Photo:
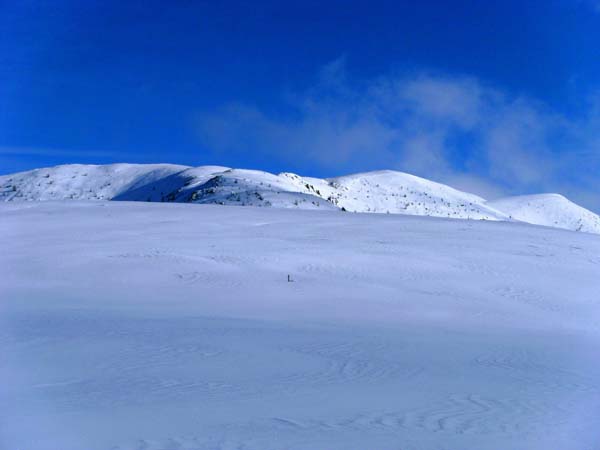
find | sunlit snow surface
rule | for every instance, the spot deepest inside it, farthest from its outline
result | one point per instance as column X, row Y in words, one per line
column 171, row 326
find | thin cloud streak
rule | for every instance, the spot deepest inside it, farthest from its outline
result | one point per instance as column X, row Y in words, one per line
column 42, row 151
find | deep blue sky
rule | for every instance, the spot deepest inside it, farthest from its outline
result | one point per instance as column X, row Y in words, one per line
column 142, row 81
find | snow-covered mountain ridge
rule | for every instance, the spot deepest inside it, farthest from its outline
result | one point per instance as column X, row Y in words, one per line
column 373, row 192
column 552, row 210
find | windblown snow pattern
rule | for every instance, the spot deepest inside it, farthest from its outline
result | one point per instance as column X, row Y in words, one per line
column 159, row 326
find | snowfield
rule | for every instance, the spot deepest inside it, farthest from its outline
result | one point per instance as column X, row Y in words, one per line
column 384, row 191
column 163, row 326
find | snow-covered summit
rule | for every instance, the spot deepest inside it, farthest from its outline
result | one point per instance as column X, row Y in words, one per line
column 399, row 192
column 552, row 210
column 81, row 181
column 384, row 191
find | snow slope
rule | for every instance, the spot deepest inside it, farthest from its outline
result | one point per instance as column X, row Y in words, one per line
column 225, row 186
column 156, row 326
column 551, row 210
column 81, row 181
column 176, row 187
column 371, row 192
column 398, row 192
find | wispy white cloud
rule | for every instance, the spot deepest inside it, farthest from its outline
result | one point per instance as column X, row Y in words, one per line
column 54, row 152
column 453, row 129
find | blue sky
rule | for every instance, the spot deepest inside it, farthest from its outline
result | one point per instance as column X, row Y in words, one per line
column 494, row 97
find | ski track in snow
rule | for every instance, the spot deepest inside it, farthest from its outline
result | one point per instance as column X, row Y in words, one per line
column 120, row 330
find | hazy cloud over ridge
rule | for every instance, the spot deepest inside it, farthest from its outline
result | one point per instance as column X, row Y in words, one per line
column 451, row 129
